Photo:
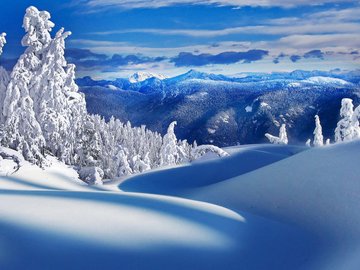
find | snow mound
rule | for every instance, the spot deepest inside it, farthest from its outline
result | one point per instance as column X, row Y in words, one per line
column 195, row 175
column 317, row 190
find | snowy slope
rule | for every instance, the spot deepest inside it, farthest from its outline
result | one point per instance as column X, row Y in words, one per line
column 317, row 189
column 264, row 207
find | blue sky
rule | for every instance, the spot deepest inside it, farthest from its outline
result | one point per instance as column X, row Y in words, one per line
column 114, row 38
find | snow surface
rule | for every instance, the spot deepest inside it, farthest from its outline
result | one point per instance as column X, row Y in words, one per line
column 317, row 190
column 264, row 207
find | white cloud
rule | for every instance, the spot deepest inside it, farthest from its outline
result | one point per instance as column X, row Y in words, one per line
column 309, row 28
column 131, row 4
column 341, row 21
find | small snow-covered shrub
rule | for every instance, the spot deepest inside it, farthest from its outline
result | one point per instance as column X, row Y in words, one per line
column 91, row 175
column 202, row 150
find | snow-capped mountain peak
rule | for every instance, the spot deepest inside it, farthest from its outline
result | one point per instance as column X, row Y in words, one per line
column 142, row 76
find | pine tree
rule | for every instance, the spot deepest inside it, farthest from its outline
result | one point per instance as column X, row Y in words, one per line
column 318, row 137
column 168, row 152
column 21, row 131
column 282, row 139
column 2, row 42
column 4, row 79
column 346, row 129
column 355, row 122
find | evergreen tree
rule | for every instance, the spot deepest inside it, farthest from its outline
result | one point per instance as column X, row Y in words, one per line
column 318, row 137
column 4, row 78
column 346, row 128
column 282, row 139
column 169, row 149
column 21, row 131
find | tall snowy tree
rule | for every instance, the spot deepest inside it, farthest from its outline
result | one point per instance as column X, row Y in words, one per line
column 355, row 122
column 318, row 136
column 4, row 78
column 282, row 139
column 169, row 152
column 2, row 42
column 59, row 106
column 29, row 140
column 347, row 128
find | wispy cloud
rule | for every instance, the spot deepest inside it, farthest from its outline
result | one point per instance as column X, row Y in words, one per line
column 308, row 28
column 132, row 4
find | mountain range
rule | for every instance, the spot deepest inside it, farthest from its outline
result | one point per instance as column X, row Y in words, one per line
column 224, row 110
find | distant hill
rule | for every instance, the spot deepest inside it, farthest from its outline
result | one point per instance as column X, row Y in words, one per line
column 225, row 110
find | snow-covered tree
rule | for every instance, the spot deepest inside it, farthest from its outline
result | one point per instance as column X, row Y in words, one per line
column 2, row 42
column 4, row 78
column 355, row 122
column 59, row 106
column 348, row 127
column 169, row 149
column 282, row 139
column 318, row 136
column 22, row 131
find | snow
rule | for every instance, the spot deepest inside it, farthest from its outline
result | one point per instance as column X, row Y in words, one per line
column 52, row 221
column 264, row 105
column 248, row 109
column 264, row 201
column 112, row 87
column 211, row 130
column 294, row 84
column 142, row 76
column 326, row 80
column 317, row 190
column 91, row 175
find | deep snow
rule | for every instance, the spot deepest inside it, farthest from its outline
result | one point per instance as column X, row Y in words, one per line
column 264, row 207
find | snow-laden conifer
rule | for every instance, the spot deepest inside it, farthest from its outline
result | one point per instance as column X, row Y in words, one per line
column 169, row 152
column 2, row 42
column 318, row 136
column 21, row 130
column 282, row 139
column 4, row 78
column 348, row 126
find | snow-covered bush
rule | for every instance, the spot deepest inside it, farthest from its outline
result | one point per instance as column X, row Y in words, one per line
column 282, row 139
column 202, row 150
column 91, row 175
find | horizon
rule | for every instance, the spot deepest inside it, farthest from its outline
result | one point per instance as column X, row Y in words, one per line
column 115, row 39
column 235, row 76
